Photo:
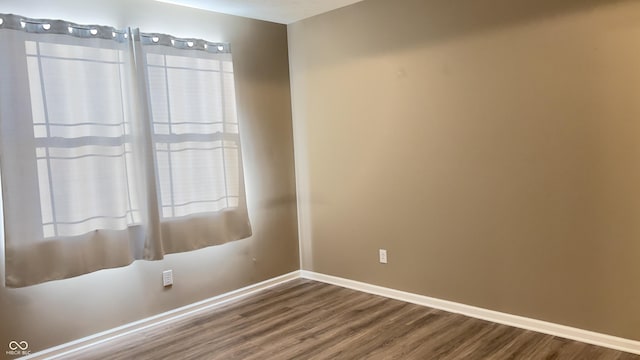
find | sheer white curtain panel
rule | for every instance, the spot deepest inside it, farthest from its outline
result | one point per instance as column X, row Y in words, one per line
column 194, row 133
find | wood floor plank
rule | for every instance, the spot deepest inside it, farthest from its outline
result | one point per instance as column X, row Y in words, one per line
column 304, row 319
column 523, row 346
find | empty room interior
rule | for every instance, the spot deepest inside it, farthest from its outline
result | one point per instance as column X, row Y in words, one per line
column 281, row 179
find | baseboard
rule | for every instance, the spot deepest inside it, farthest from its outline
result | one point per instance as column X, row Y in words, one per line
column 567, row 332
column 63, row 350
column 540, row 326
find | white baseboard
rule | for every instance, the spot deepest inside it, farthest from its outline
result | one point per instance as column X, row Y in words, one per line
column 563, row 331
column 567, row 332
column 172, row 315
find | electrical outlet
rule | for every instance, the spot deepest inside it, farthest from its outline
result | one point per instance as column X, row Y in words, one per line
column 383, row 256
column 167, row 278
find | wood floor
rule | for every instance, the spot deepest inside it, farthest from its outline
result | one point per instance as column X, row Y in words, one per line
column 304, row 319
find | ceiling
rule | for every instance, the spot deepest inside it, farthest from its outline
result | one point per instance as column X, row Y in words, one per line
column 279, row 11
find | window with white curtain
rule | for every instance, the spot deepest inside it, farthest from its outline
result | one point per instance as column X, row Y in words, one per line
column 195, row 129
column 82, row 138
column 115, row 145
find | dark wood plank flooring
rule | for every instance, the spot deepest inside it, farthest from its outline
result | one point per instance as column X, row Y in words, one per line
column 304, row 319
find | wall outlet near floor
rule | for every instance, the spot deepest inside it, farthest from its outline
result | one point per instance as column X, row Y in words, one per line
column 383, row 256
column 167, row 278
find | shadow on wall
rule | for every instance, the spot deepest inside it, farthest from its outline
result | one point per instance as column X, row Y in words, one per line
column 418, row 22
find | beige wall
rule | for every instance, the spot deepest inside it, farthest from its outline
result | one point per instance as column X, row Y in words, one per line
column 492, row 146
column 61, row 311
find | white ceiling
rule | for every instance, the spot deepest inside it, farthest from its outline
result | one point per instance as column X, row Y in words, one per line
column 279, row 11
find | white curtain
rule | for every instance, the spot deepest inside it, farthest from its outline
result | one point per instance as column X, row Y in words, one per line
column 114, row 146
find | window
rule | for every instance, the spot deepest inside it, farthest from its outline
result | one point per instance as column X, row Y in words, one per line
column 82, row 138
column 195, row 132
column 107, row 157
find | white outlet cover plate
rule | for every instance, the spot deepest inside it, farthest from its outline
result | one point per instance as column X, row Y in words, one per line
column 167, row 278
column 383, row 256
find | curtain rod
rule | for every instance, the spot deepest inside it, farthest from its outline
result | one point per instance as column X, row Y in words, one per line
column 184, row 43
column 46, row 26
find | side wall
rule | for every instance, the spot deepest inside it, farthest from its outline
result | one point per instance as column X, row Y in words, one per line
column 53, row 313
column 492, row 147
